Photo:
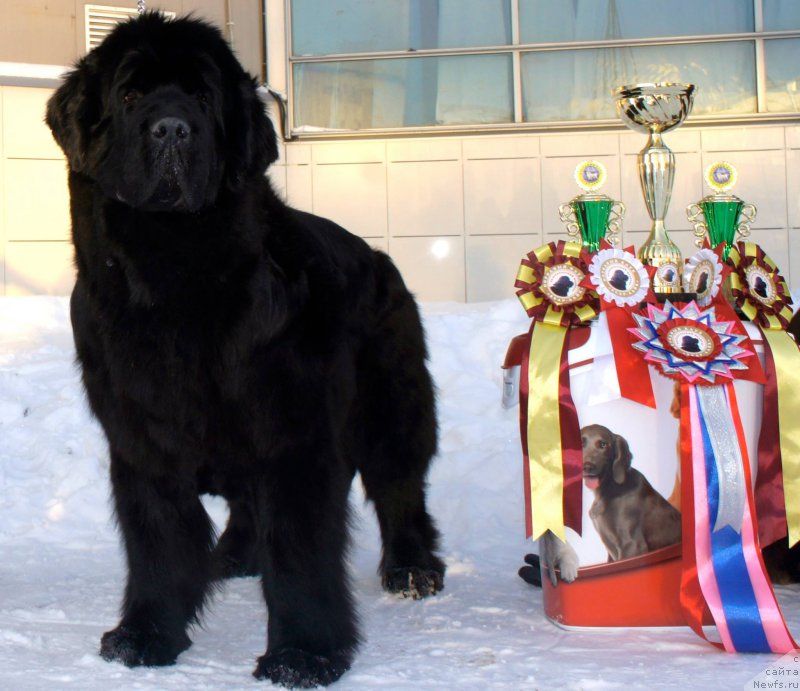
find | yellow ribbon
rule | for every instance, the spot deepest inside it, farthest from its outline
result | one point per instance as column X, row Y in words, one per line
column 543, row 421
column 787, row 368
column 544, row 430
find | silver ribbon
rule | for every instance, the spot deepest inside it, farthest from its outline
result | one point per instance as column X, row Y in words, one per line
column 728, row 456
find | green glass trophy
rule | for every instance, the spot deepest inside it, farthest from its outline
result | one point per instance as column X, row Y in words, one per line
column 592, row 216
column 724, row 213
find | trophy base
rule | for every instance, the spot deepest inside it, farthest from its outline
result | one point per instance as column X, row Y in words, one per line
column 675, row 297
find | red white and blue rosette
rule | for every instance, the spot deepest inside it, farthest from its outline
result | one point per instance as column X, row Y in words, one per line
column 689, row 344
column 722, row 569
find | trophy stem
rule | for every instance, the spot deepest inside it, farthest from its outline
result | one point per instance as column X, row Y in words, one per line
column 656, row 164
column 656, row 174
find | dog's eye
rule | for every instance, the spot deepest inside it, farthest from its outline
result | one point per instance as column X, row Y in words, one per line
column 602, row 444
column 131, row 95
column 202, row 96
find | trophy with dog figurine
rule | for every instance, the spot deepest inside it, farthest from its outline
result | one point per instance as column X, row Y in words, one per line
column 723, row 213
column 592, row 216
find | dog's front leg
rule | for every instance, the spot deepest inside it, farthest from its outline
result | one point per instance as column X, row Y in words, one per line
column 630, row 539
column 312, row 632
column 168, row 538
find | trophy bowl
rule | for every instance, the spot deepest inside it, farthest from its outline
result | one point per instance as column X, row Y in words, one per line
column 654, row 108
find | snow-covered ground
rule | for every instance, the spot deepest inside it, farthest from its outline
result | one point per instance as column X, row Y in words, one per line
column 61, row 569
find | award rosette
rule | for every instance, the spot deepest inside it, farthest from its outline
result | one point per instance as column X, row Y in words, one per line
column 762, row 294
column 550, row 287
column 706, row 274
column 622, row 282
column 618, row 277
column 687, row 345
column 722, row 569
column 703, row 274
column 758, row 287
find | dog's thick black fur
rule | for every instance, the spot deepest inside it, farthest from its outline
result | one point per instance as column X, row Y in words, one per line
column 232, row 345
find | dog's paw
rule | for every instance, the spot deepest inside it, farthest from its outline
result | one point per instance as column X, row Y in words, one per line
column 531, row 572
column 134, row 648
column 413, row 582
column 568, row 571
column 298, row 669
column 568, row 562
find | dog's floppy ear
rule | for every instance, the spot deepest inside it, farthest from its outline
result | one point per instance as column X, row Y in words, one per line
column 253, row 145
column 622, row 459
column 73, row 109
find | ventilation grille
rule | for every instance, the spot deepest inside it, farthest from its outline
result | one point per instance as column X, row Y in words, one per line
column 101, row 19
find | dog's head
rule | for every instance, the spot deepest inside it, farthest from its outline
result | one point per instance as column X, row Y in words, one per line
column 163, row 116
column 605, row 456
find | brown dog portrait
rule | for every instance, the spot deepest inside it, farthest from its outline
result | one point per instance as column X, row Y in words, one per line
column 628, row 514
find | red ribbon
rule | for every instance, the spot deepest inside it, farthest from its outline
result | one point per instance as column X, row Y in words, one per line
column 523, row 431
column 769, row 500
column 632, row 371
column 693, row 603
column 724, row 312
column 571, row 445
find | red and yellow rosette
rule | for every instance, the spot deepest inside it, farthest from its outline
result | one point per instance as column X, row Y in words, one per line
column 549, row 283
column 762, row 294
column 758, row 287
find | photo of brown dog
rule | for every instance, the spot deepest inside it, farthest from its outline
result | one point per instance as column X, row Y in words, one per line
column 630, row 516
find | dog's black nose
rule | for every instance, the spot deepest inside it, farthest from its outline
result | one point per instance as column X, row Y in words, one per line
column 170, row 129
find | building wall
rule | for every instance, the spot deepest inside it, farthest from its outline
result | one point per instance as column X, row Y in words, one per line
column 53, row 33
column 456, row 213
column 38, row 40
column 34, row 203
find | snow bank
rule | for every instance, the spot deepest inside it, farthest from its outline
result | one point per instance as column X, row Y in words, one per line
column 61, row 569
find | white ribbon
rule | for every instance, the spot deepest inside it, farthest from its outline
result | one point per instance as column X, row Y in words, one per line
column 715, row 409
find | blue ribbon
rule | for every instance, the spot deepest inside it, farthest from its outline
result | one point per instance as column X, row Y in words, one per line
column 730, row 569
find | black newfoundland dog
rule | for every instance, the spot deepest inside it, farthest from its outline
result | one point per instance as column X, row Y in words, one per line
column 232, row 345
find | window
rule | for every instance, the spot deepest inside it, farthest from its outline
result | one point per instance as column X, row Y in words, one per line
column 360, row 65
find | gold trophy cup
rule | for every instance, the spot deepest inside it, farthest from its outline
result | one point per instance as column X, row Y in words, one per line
column 655, row 109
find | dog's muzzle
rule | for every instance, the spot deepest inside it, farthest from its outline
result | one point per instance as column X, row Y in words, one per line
column 170, row 139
